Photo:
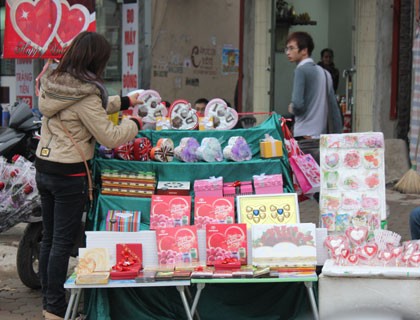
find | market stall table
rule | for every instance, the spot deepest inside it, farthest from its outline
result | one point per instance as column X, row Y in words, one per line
column 76, row 291
column 308, row 281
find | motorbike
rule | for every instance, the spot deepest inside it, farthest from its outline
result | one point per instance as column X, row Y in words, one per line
column 21, row 137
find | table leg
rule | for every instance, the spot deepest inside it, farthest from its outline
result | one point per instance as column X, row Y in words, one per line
column 310, row 290
column 200, row 287
column 76, row 304
column 184, row 301
column 73, row 295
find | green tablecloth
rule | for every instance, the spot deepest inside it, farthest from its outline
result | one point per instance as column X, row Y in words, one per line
column 239, row 301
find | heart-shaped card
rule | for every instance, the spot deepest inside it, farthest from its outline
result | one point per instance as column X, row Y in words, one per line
column 182, row 116
column 224, row 118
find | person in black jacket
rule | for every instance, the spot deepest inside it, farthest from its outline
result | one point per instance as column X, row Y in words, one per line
column 327, row 62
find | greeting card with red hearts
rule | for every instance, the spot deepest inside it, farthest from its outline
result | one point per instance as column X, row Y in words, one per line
column 44, row 28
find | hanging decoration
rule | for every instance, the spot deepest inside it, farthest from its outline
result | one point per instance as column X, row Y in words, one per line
column 44, row 28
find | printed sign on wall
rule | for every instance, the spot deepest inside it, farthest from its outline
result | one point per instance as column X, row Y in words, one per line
column 44, row 28
column 130, row 44
column 24, row 71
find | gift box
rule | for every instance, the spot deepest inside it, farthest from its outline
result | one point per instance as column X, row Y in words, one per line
column 173, row 188
column 212, row 187
column 226, row 243
column 227, row 264
column 177, row 246
column 213, row 210
column 123, row 220
column 237, row 188
column 268, row 184
column 129, row 261
column 169, row 211
column 271, row 148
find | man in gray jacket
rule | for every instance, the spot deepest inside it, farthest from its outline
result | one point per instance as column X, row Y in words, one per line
column 313, row 94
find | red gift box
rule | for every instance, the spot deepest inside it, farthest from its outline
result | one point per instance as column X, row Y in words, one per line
column 227, row 264
column 226, row 242
column 129, row 259
column 237, row 188
column 169, row 211
column 213, row 210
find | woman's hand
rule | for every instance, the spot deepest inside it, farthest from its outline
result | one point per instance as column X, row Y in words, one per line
column 134, row 99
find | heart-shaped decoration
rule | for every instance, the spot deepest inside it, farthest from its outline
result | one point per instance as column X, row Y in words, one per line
column 183, row 116
column 36, row 22
column 224, row 118
column 152, row 106
column 74, row 20
column 357, row 235
column 334, row 241
column 345, row 253
column 353, row 258
column 415, row 259
column 163, row 151
column 396, row 252
column 370, row 250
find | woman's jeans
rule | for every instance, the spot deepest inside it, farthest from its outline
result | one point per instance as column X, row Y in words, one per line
column 415, row 223
column 63, row 200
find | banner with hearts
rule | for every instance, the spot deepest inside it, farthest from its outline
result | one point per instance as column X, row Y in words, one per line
column 44, row 28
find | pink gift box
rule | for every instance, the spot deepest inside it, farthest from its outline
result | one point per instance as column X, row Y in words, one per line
column 212, row 187
column 237, row 188
column 268, row 184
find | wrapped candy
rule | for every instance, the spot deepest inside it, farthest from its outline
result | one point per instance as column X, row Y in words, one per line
column 210, row 150
column 187, row 150
column 237, row 149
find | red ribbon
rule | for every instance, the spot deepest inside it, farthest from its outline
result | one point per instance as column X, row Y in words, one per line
column 235, row 184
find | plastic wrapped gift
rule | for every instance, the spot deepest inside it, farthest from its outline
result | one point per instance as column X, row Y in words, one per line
column 210, row 150
column 268, row 184
column 187, row 150
column 237, row 149
column 237, row 188
column 270, row 147
column 209, row 187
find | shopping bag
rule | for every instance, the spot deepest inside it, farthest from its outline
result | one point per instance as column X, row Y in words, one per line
column 307, row 172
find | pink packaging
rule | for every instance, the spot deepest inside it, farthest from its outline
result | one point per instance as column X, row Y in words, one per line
column 212, row 187
column 268, row 184
column 237, row 188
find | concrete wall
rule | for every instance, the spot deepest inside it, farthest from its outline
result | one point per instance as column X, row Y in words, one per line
column 188, row 38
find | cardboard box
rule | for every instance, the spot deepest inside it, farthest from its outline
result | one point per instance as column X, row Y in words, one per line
column 173, row 188
column 226, row 241
column 271, row 149
column 214, row 210
column 169, row 211
column 177, row 246
column 237, row 188
column 268, row 184
column 209, row 187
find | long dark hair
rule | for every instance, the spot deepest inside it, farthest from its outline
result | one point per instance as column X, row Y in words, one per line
column 86, row 57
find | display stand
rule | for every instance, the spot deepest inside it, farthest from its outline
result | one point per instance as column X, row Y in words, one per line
column 289, row 303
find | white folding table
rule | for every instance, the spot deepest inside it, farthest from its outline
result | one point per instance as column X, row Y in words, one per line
column 76, row 290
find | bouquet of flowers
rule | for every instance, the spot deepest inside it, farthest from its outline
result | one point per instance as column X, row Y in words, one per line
column 18, row 193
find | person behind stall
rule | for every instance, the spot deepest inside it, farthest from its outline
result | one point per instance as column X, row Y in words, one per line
column 200, row 106
column 312, row 95
column 415, row 223
column 327, row 62
column 75, row 107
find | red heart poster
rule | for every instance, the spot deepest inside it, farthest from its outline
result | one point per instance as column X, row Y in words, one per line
column 44, row 28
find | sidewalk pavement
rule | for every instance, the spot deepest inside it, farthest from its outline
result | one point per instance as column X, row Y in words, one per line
column 17, row 302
